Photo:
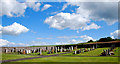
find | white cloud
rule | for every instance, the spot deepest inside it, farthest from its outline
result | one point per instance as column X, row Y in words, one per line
column 97, row 11
column 13, row 8
column 115, row 34
column 8, row 43
column 87, row 38
column 92, row 26
column 92, row 1
column 46, row 6
column 32, row 4
column 71, row 21
column 14, row 29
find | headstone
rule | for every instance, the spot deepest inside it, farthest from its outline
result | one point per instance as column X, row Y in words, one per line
column 6, row 51
column 23, row 51
column 40, row 52
column 71, row 47
column 79, row 51
column 75, row 52
column 75, row 47
column 93, row 47
column 61, row 49
column 52, row 51
column 29, row 51
column 108, row 52
column 56, row 50
column 85, row 49
column 49, row 52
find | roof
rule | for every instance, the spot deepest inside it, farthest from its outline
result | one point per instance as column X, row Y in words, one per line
column 105, row 42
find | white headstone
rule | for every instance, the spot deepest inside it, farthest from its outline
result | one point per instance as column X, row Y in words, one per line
column 75, row 52
column 40, row 52
column 72, row 47
column 93, row 47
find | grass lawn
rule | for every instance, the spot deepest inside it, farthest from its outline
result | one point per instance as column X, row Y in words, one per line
column 73, row 59
column 14, row 56
column 95, row 52
column 117, row 51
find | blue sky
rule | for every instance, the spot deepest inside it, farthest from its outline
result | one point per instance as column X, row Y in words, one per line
column 44, row 32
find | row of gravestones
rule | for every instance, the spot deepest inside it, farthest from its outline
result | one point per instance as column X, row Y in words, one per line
column 107, row 52
column 83, row 50
column 53, row 50
column 57, row 49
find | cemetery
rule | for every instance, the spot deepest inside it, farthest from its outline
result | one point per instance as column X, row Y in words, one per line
column 67, row 52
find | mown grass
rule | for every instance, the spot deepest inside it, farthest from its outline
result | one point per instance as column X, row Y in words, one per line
column 73, row 59
column 14, row 56
column 116, row 51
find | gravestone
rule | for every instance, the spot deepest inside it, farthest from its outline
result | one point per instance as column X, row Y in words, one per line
column 79, row 51
column 75, row 52
column 6, row 51
column 49, row 52
column 61, row 49
column 108, row 52
column 40, row 51
column 23, row 51
column 56, row 50
column 71, row 47
column 52, row 51
column 93, row 47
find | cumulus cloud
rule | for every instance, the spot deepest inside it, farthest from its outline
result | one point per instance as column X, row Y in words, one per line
column 33, row 4
column 71, row 21
column 87, row 38
column 115, row 34
column 46, row 6
column 8, row 43
column 91, row 26
column 98, row 11
column 14, row 29
column 13, row 8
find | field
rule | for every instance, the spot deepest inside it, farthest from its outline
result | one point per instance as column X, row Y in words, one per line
column 74, row 59
column 14, row 56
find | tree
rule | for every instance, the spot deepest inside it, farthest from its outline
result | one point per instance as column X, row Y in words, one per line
column 105, row 39
column 90, row 41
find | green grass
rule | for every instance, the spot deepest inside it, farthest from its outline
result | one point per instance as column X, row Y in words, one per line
column 116, row 51
column 14, row 56
column 95, row 52
column 73, row 59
